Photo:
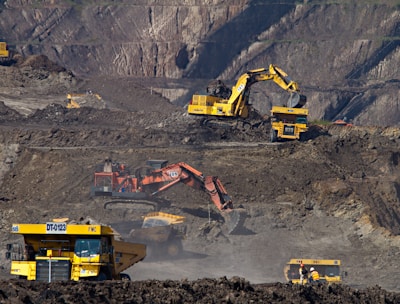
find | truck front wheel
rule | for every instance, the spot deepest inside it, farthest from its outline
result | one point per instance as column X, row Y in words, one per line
column 101, row 277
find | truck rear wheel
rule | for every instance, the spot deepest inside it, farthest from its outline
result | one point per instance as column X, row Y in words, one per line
column 125, row 277
column 273, row 135
column 174, row 248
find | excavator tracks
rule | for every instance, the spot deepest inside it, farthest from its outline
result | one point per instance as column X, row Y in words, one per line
column 132, row 204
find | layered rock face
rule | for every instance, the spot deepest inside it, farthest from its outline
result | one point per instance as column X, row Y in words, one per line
column 341, row 54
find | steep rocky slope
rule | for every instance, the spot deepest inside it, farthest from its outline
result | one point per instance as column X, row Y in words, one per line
column 341, row 52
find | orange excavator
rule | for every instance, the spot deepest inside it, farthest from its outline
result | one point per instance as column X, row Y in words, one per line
column 115, row 180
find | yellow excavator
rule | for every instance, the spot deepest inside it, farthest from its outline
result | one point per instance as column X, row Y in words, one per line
column 222, row 102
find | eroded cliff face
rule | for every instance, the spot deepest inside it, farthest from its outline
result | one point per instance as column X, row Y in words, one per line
column 118, row 38
column 343, row 55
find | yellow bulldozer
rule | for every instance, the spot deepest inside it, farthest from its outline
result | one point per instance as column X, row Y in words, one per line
column 62, row 250
column 88, row 99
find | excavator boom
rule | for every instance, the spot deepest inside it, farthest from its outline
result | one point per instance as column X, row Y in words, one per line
column 116, row 181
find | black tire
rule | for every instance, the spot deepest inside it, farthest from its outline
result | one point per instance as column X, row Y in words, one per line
column 101, row 277
column 174, row 248
column 125, row 277
column 273, row 135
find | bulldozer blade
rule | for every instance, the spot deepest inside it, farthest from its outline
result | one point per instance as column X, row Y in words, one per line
column 234, row 220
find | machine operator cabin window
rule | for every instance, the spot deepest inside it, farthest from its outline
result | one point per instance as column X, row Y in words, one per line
column 87, row 247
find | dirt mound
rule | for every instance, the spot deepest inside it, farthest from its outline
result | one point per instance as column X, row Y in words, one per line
column 37, row 62
column 8, row 114
column 222, row 290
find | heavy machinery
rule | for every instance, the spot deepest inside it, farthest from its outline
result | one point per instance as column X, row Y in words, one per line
column 162, row 233
column 342, row 123
column 115, row 180
column 288, row 123
column 88, row 99
column 329, row 270
column 4, row 52
column 62, row 250
column 221, row 102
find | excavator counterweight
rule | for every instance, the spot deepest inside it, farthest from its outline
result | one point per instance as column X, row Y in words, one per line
column 115, row 180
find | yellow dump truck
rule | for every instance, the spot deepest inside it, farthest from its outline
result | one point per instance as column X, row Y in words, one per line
column 60, row 251
column 288, row 123
column 329, row 270
column 162, row 234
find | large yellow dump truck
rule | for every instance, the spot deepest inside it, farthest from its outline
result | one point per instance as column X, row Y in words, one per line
column 329, row 270
column 58, row 251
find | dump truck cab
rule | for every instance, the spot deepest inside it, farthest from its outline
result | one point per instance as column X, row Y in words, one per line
column 329, row 270
column 58, row 251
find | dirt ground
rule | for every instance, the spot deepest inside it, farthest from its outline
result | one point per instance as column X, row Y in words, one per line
column 335, row 196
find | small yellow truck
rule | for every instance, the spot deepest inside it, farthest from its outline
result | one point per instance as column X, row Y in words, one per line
column 329, row 270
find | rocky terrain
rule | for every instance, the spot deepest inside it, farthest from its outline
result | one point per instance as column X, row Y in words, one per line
column 222, row 290
column 334, row 196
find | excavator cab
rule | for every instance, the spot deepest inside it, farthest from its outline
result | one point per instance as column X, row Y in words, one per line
column 157, row 163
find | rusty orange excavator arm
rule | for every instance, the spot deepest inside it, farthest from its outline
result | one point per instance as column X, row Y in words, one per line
column 184, row 173
column 115, row 180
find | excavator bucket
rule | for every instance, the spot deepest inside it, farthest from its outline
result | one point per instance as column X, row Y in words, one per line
column 234, row 220
column 296, row 100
